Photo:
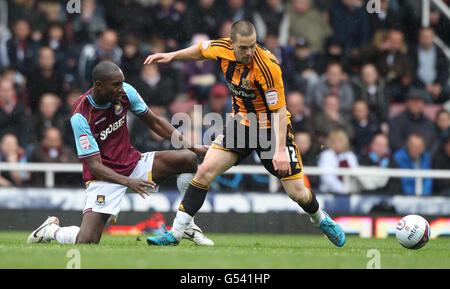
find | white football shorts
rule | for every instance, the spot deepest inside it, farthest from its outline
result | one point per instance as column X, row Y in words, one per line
column 106, row 198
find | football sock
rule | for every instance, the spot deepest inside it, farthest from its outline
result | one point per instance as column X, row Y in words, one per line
column 312, row 208
column 192, row 202
column 193, row 199
column 66, row 235
column 180, row 224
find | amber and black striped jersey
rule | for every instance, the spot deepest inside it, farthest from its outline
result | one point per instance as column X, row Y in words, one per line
column 256, row 87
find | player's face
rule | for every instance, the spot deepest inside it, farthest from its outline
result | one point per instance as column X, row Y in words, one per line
column 244, row 48
column 113, row 88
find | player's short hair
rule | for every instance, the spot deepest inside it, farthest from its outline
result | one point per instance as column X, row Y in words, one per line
column 103, row 70
column 243, row 28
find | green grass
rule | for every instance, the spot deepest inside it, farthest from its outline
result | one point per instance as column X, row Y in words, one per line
column 230, row 252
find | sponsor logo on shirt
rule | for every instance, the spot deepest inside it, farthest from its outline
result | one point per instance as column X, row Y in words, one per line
column 112, row 127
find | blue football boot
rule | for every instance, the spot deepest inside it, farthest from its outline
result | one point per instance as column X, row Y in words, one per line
column 166, row 239
column 332, row 230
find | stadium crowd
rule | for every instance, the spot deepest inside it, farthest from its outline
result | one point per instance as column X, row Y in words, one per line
column 364, row 89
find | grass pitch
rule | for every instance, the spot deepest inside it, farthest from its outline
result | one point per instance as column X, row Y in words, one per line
column 230, row 252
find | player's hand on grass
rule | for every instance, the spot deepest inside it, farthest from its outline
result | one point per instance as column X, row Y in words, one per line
column 140, row 186
column 159, row 58
column 281, row 163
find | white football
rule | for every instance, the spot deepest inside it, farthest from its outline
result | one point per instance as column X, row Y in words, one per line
column 413, row 232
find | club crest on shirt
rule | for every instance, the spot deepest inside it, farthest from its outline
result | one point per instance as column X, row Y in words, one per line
column 118, row 108
column 100, row 200
column 247, row 84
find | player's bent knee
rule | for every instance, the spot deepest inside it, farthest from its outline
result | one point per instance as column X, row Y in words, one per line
column 190, row 161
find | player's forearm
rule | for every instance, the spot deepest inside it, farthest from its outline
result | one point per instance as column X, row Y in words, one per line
column 104, row 173
column 279, row 127
column 191, row 53
column 166, row 130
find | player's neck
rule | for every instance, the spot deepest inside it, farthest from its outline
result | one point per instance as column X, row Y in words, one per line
column 98, row 99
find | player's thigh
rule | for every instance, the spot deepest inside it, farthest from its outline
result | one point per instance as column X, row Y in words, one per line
column 296, row 189
column 169, row 163
column 216, row 162
column 91, row 228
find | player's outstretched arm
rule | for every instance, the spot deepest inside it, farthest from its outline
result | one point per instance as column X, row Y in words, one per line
column 191, row 53
column 166, row 130
column 104, row 173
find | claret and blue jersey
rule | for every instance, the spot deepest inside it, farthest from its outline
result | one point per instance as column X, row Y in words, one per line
column 102, row 130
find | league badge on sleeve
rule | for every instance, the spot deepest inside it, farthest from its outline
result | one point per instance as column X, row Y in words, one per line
column 272, row 97
column 84, row 142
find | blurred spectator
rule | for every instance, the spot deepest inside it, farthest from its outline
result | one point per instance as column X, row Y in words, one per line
column 350, row 23
column 168, row 21
column 131, row 59
column 47, row 116
column 10, row 152
column 440, row 23
column 371, row 88
column 45, row 78
column 218, row 100
column 442, row 162
column 225, row 28
column 412, row 121
column 391, row 57
column 90, row 23
column 308, row 152
column 334, row 52
column 105, row 48
column 332, row 83
column 295, row 104
column 199, row 76
column 337, row 155
column 442, row 125
column 301, row 69
column 364, row 126
column 52, row 150
column 378, row 154
column 19, row 81
column 238, row 10
column 384, row 20
column 329, row 119
column 26, row 9
column 22, row 50
column 431, row 67
column 306, row 21
column 271, row 16
column 156, row 87
column 414, row 156
column 65, row 54
column 129, row 17
column 203, row 17
column 13, row 117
